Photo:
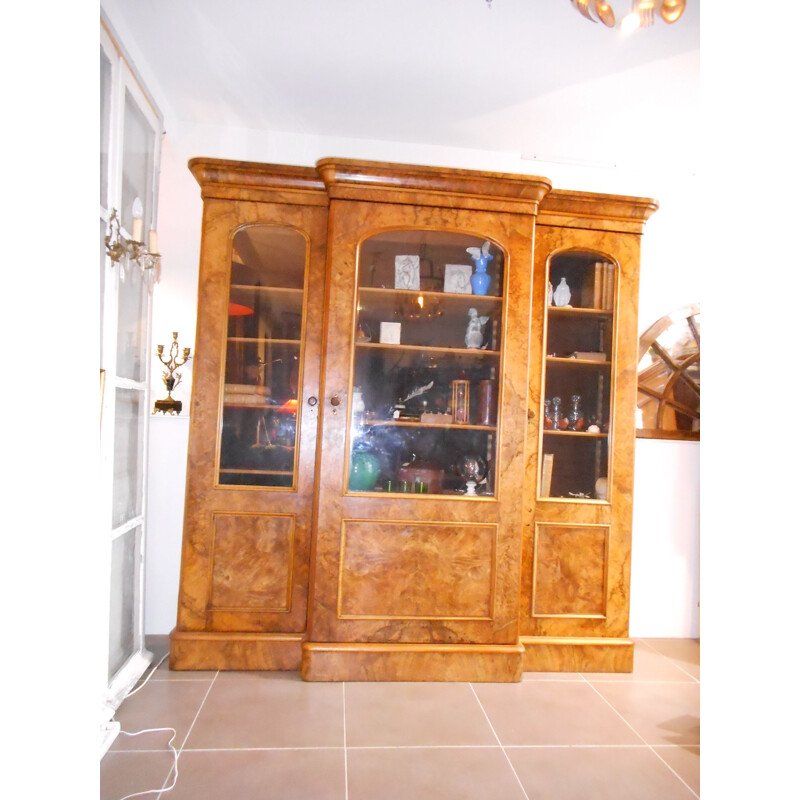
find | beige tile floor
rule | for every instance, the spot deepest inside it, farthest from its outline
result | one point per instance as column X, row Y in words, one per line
column 258, row 736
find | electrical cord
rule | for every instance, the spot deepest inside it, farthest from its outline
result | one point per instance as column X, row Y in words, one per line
column 154, row 730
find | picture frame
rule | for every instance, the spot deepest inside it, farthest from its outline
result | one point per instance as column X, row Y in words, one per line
column 457, row 278
column 406, row 272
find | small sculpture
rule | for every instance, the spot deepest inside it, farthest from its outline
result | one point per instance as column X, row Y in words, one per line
column 562, row 294
column 474, row 336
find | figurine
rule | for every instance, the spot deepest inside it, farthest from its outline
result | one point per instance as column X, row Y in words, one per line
column 562, row 294
column 474, row 336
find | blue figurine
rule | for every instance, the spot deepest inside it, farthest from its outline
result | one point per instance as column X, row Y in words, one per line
column 479, row 279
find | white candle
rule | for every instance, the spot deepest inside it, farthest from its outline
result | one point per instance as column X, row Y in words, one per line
column 152, row 242
column 138, row 228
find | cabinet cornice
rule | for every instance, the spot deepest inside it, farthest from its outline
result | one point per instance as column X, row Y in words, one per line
column 244, row 180
column 407, row 184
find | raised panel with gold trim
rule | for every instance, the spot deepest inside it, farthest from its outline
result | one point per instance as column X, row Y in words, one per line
column 252, row 562
column 570, row 565
column 410, row 570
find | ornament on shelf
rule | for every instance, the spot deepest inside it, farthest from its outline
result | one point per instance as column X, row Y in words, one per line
column 474, row 335
column 562, row 294
column 480, row 279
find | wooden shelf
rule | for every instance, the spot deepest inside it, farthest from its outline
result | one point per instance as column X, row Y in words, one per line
column 582, row 434
column 267, row 289
column 412, row 348
column 394, row 423
column 255, row 472
column 576, row 361
column 560, row 311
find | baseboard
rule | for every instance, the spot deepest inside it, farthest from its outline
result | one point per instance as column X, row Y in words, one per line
column 363, row 661
column 578, row 654
column 211, row 650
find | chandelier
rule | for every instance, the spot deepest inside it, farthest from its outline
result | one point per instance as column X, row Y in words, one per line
column 642, row 13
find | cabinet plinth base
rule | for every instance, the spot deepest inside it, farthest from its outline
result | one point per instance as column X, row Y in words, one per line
column 333, row 661
column 568, row 654
column 206, row 650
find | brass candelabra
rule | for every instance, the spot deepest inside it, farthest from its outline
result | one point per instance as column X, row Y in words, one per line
column 171, row 378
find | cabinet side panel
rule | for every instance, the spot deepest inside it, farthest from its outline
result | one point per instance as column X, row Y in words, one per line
column 405, row 569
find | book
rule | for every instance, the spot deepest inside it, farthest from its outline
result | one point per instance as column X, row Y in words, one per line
column 547, row 474
column 598, row 285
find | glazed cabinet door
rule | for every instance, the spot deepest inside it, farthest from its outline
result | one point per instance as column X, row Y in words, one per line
column 579, row 470
column 421, row 462
column 255, row 409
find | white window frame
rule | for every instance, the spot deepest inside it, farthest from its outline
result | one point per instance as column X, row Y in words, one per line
column 123, row 80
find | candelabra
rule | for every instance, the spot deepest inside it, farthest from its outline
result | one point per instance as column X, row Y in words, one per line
column 124, row 251
column 171, row 378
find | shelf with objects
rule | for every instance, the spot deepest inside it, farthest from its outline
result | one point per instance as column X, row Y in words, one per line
column 263, row 356
column 578, row 379
column 427, row 355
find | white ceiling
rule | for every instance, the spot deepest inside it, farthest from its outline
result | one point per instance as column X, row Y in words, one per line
column 529, row 77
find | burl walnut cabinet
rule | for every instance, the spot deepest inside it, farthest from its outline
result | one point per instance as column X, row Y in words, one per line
column 412, row 424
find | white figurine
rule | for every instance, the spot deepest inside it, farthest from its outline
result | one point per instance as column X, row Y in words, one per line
column 474, row 337
column 562, row 294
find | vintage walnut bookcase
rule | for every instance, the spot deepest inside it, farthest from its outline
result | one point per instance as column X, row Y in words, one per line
column 377, row 487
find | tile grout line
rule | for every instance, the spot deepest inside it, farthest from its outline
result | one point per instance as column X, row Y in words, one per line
column 494, row 732
column 185, row 738
column 649, row 746
column 344, row 733
column 672, row 661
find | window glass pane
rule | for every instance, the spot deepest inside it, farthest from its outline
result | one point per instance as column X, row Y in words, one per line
column 137, row 163
column 105, row 124
column 102, row 284
column 122, row 619
column 128, row 451
column 132, row 325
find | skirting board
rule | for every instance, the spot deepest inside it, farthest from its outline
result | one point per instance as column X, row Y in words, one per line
column 204, row 650
column 334, row 661
column 564, row 654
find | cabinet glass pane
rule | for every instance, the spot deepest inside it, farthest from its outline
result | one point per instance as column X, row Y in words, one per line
column 577, row 377
column 263, row 379
column 128, row 451
column 426, row 366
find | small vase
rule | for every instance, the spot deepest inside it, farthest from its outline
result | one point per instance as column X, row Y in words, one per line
column 479, row 280
column 562, row 294
column 549, row 421
column 577, row 422
column 365, row 467
column 560, row 421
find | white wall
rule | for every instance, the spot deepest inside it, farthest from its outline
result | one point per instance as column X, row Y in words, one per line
column 665, row 574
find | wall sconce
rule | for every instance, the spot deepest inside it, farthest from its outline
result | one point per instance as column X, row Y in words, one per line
column 124, row 251
column 171, row 378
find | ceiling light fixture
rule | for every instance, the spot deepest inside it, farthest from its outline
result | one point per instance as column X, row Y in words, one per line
column 642, row 14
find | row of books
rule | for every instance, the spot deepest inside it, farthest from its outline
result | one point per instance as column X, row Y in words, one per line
column 598, row 290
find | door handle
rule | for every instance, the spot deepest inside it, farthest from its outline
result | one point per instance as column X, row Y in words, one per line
column 312, row 401
column 335, row 400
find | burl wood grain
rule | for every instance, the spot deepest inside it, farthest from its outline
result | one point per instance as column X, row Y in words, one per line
column 575, row 591
column 252, row 563
column 405, row 570
column 337, row 591
column 243, row 588
column 569, row 571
